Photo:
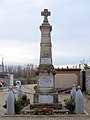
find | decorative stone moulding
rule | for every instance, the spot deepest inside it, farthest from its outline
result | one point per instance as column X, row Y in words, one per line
column 46, row 26
column 45, row 69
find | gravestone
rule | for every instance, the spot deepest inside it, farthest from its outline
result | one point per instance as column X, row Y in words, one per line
column 20, row 92
column 73, row 92
column 18, row 83
column 11, row 79
column 10, row 103
column 79, row 102
column 45, row 91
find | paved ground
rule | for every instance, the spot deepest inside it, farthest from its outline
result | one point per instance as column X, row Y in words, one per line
column 29, row 89
column 60, row 117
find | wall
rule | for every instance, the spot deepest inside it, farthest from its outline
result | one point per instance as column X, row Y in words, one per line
column 86, row 80
column 65, row 78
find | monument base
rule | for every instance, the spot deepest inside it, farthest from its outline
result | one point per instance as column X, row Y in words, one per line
column 45, row 98
column 55, row 106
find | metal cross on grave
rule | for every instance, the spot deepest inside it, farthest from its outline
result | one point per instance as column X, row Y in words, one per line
column 45, row 13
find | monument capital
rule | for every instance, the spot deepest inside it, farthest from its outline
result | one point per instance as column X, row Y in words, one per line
column 45, row 13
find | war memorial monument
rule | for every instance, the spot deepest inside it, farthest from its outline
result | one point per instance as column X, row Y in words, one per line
column 45, row 92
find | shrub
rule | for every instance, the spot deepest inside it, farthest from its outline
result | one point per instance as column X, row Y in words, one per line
column 70, row 105
column 20, row 104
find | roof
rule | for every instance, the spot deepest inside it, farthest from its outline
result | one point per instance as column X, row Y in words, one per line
column 68, row 69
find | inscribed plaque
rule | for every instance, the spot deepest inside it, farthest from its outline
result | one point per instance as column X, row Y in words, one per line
column 46, row 81
column 45, row 98
column 45, row 60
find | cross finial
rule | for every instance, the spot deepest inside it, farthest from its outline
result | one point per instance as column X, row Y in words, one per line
column 45, row 13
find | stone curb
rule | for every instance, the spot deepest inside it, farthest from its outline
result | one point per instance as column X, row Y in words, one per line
column 83, row 115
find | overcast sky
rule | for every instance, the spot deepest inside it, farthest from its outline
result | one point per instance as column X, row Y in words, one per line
column 20, row 34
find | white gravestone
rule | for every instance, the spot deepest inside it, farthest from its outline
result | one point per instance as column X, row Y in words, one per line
column 79, row 102
column 18, row 83
column 10, row 103
column 45, row 99
column 73, row 92
column 11, row 79
column 20, row 92
column 46, row 81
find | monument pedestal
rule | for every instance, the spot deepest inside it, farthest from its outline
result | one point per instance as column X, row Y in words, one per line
column 45, row 98
column 45, row 91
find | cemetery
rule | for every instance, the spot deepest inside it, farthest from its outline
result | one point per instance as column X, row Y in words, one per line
column 57, row 92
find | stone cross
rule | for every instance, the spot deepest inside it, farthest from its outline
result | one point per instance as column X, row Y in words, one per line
column 45, row 13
